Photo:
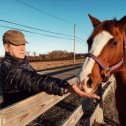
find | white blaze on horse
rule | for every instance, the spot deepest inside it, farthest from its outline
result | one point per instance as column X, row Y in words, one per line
column 106, row 56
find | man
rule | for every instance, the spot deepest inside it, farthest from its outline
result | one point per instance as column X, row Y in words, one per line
column 20, row 79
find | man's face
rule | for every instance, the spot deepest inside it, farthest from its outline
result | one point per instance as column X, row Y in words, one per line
column 16, row 51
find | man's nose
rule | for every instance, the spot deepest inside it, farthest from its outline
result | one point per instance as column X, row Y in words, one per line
column 22, row 47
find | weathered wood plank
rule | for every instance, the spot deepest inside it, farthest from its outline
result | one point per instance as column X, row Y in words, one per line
column 97, row 115
column 2, row 120
column 25, row 111
column 74, row 117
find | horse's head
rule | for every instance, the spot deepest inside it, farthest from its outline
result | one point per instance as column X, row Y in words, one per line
column 105, row 52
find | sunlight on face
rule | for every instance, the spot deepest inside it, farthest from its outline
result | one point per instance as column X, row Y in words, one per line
column 16, row 51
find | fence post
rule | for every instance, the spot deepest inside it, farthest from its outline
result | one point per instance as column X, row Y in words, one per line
column 97, row 116
column 74, row 42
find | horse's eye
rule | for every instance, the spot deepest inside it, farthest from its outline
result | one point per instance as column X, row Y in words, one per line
column 113, row 43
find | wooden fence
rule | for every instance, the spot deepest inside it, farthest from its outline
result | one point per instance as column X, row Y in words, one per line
column 23, row 112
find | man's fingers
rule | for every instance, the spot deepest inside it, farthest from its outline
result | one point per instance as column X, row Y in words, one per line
column 90, row 95
column 83, row 94
column 94, row 96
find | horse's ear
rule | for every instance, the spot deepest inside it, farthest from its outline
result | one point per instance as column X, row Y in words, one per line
column 94, row 20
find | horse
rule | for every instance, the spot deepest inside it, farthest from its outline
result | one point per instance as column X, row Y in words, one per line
column 106, row 56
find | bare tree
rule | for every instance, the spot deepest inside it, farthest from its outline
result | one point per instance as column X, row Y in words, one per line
column 58, row 54
column 34, row 53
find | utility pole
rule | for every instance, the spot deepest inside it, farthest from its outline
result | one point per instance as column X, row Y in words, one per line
column 74, row 42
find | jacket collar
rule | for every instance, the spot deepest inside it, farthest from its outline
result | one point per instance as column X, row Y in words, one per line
column 14, row 60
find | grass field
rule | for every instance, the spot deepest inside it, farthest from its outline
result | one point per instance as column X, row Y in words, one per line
column 54, row 64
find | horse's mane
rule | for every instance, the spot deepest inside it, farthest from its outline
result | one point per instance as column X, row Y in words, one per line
column 108, row 24
column 123, row 19
column 105, row 25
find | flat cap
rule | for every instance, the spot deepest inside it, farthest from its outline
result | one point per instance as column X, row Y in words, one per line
column 14, row 37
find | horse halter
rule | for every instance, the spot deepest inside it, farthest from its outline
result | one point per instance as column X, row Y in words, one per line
column 108, row 71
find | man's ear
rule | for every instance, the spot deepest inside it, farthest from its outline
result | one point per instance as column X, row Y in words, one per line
column 6, row 47
column 94, row 20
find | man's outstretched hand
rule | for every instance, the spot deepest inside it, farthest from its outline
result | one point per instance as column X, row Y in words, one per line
column 75, row 89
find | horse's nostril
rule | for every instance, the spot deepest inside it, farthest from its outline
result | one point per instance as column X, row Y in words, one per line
column 89, row 82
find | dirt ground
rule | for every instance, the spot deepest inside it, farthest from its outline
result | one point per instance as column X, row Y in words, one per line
column 110, row 110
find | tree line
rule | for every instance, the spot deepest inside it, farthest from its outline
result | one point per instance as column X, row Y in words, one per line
column 52, row 56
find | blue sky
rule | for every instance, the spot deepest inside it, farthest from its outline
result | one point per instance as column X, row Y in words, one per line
column 71, row 11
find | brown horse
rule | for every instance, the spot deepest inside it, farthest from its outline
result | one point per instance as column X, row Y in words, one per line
column 106, row 56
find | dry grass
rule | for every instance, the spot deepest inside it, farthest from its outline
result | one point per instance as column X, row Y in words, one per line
column 54, row 64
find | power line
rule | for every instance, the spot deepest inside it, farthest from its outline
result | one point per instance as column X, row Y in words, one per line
column 44, row 12
column 37, row 33
column 80, row 29
column 39, row 29
column 61, row 19
column 79, row 38
column 35, row 28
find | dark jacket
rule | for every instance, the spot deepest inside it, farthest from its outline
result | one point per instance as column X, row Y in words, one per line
column 20, row 80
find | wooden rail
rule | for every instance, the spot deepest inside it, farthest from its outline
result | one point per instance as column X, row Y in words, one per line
column 97, row 115
column 23, row 112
